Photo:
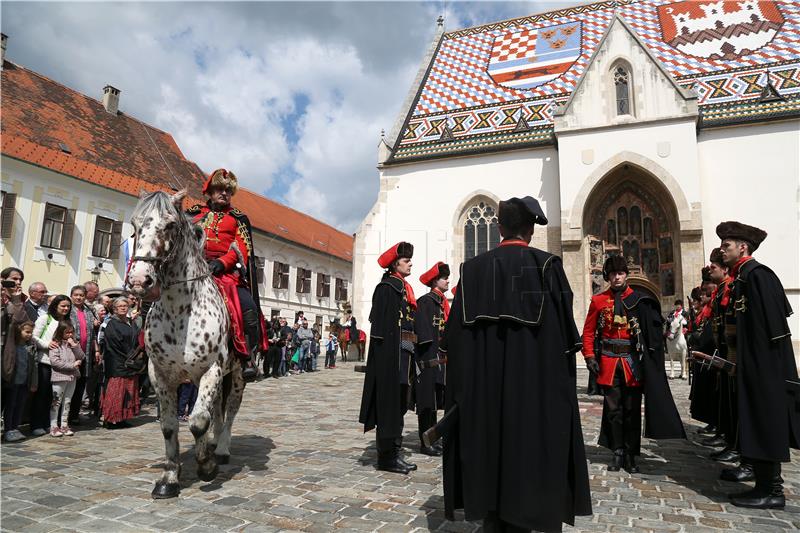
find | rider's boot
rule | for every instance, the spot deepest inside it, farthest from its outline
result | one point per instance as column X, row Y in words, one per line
column 251, row 334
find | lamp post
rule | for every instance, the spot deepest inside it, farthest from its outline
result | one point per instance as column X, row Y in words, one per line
column 96, row 272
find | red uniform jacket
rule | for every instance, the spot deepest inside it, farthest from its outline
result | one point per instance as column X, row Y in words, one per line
column 602, row 308
column 222, row 229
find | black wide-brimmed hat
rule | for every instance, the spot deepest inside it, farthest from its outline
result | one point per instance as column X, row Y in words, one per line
column 516, row 211
column 741, row 232
column 615, row 263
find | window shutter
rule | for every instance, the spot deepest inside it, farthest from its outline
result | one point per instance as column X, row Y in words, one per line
column 299, row 280
column 9, row 202
column 69, row 229
column 276, row 275
column 319, row 285
column 260, row 264
column 116, row 240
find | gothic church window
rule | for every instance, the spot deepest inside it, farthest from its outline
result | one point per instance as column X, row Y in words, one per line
column 481, row 232
column 622, row 90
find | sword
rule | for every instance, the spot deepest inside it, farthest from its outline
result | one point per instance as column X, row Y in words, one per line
column 714, row 361
column 360, row 368
column 443, row 427
column 432, row 363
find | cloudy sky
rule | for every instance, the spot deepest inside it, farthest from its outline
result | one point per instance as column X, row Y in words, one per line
column 291, row 96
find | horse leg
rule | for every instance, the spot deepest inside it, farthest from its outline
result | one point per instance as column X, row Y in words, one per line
column 168, row 486
column 201, row 422
column 231, row 402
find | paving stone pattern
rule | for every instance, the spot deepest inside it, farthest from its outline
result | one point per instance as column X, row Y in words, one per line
column 301, row 463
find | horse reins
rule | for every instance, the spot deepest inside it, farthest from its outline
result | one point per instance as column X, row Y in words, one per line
column 159, row 262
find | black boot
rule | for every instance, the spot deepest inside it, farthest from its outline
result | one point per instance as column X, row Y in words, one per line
column 619, row 459
column 743, row 472
column 398, row 444
column 251, row 335
column 426, row 420
column 708, row 430
column 768, row 492
column 716, row 440
column 389, row 457
column 629, row 464
column 728, row 455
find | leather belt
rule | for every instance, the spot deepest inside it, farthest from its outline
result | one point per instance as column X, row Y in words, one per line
column 617, row 348
column 409, row 336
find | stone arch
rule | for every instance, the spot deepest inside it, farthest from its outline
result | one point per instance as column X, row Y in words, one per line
column 468, row 201
column 686, row 220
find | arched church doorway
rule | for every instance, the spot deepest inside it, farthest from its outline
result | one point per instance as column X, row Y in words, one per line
column 630, row 213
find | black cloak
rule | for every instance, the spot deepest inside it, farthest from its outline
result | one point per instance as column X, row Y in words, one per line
column 382, row 401
column 768, row 419
column 428, row 322
column 518, row 446
column 704, row 395
column 661, row 418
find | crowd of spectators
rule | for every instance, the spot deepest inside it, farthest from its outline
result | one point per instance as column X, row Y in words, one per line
column 64, row 355
column 67, row 355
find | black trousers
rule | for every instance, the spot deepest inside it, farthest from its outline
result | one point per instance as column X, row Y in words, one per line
column 729, row 410
column 379, row 435
column 426, row 419
column 77, row 400
column 622, row 414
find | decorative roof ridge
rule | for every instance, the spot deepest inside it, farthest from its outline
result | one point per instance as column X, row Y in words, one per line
column 542, row 15
column 412, row 98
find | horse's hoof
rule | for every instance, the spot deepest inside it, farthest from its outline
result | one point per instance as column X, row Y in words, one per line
column 165, row 490
column 208, row 471
column 222, row 459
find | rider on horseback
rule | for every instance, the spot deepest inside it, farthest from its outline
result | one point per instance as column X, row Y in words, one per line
column 229, row 252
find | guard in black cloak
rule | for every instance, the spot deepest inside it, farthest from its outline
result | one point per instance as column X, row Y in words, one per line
column 433, row 309
column 624, row 327
column 703, row 396
column 391, row 352
column 759, row 342
column 514, row 456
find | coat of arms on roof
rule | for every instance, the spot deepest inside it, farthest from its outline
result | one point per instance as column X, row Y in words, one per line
column 720, row 29
column 529, row 57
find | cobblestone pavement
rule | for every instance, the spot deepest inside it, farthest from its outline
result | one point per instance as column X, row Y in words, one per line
column 300, row 462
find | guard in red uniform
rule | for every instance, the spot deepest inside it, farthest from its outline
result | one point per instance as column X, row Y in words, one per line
column 623, row 331
column 229, row 252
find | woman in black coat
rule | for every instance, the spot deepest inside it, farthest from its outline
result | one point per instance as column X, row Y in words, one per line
column 121, row 398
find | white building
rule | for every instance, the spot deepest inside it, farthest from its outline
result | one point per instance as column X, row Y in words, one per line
column 639, row 126
column 72, row 169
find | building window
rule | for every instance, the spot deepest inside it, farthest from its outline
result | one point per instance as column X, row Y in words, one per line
column 107, row 238
column 9, row 201
column 303, row 281
column 58, row 226
column 341, row 290
column 323, row 286
column 481, row 232
column 260, row 263
column 280, row 276
column 622, row 90
column 274, row 313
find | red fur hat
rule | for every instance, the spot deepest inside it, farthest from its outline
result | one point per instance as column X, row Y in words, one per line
column 400, row 250
column 439, row 270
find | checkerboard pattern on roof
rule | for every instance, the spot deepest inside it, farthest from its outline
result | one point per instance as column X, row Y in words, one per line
column 460, row 93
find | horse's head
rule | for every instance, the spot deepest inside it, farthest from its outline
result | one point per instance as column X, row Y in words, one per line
column 675, row 326
column 160, row 229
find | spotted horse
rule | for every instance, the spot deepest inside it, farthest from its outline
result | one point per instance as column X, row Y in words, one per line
column 186, row 335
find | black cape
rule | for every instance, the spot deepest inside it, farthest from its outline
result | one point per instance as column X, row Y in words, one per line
column 768, row 419
column 426, row 325
column 382, row 404
column 661, row 418
column 704, row 394
column 511, row 340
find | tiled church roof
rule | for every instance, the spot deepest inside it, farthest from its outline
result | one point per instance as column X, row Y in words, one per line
column 52, row 126
column 483, row 80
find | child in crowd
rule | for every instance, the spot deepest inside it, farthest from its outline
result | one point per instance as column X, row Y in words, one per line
column 65, row 360
column 187, row 395
column 330, row 351
column 23, row 379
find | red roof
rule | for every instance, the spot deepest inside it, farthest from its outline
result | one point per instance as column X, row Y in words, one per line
column 52, row 126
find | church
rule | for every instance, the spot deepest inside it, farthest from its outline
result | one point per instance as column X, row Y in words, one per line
column 639, row 125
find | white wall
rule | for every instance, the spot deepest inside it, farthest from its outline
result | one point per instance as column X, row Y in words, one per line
column 752, row 174
column 420, row 203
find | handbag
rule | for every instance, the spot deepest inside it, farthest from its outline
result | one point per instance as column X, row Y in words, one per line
column 136, row 360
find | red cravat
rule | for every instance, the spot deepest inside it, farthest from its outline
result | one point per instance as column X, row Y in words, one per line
column 412, row 301
column 445, row 303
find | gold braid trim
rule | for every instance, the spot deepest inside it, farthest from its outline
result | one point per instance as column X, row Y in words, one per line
column 242, row 228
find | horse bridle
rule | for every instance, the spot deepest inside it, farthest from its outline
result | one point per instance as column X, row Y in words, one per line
column 158, row 262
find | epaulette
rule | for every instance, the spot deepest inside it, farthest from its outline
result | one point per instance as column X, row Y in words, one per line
column 394, row 283
column 195, row 209
column 238, row 213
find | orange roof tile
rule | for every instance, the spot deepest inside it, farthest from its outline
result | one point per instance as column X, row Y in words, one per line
column 126, row 155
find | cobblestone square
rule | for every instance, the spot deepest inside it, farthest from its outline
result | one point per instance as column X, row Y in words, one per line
column 301, row 463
